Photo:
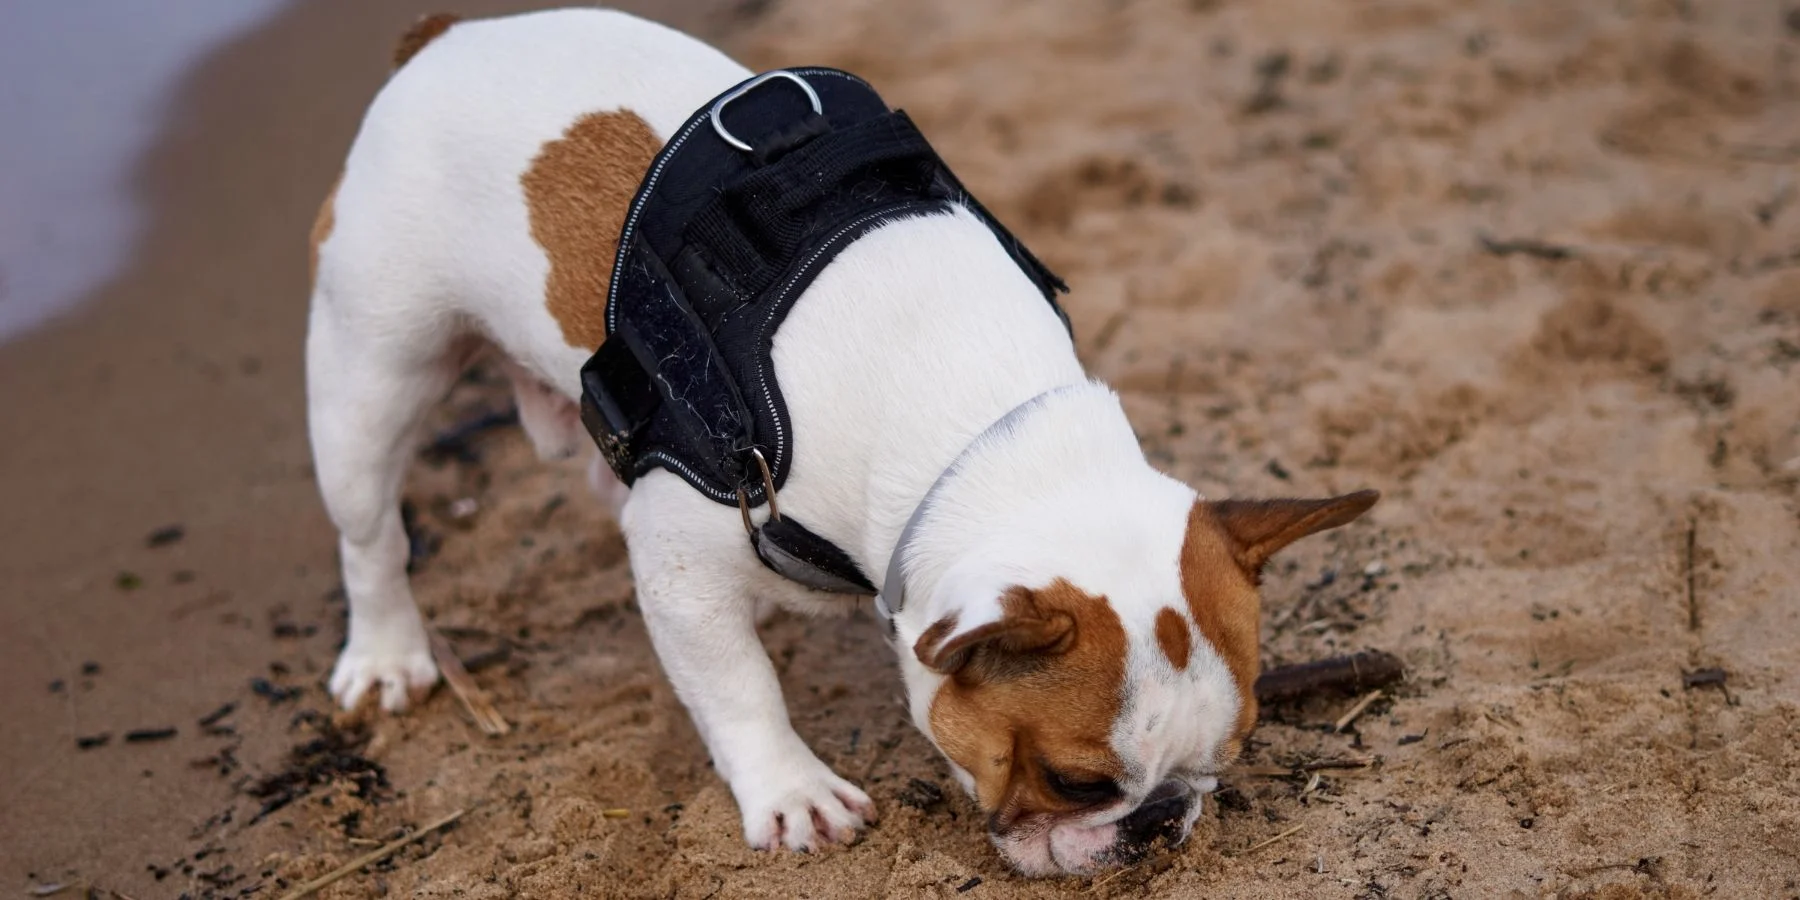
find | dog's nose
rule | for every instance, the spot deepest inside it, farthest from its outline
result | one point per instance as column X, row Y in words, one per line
column 1160, row 816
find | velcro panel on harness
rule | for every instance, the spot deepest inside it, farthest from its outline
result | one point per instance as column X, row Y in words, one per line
column 670, row 386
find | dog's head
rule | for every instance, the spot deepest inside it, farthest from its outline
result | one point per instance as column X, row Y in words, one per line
column 1088, row 713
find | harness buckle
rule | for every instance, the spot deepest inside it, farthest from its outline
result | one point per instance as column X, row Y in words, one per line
column 743, row 497
column 719, row 105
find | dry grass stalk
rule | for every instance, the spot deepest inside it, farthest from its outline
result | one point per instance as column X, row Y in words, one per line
column 1258, row 846
column 1346, row 762
column 473, row 698
column 1096, row 886
column 1344, row 720
column 373, row 856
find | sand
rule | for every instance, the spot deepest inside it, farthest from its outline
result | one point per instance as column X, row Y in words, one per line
column 1531, row 268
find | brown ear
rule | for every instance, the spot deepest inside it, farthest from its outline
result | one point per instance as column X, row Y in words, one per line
column 1258, row 528
column 1024, row 635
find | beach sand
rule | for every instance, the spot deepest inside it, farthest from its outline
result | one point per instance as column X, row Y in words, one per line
column 1530, row 268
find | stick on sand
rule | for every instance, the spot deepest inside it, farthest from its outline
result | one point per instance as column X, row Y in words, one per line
column 1349, row 674
column 376, row 855
column 473, row 698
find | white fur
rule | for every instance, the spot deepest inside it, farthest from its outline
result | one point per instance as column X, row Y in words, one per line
column 907, row 346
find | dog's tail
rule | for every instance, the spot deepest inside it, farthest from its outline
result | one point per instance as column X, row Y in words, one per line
column 422, row 32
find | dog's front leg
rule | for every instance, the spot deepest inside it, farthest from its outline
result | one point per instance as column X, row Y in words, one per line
column 691, row 585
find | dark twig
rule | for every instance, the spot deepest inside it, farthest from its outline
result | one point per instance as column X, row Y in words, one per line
column 1342, row 674
column 1526, row 246
column 212, row 718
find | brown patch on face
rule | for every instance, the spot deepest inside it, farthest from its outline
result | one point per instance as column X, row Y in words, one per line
column 1172, row 636
column 323, row 223
column 1223, row 600
column 422, row 32
column 1222, row 557
column 578, row 190
column 1035, row 693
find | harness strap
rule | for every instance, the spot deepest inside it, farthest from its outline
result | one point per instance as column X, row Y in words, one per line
column 756, row 225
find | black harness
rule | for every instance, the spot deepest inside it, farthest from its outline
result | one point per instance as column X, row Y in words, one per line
column 744, row 207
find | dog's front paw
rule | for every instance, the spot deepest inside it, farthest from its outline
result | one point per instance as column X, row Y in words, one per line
column 802, row 806
column 401, row 666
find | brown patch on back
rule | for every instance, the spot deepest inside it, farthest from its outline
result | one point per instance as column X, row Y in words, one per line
column 422, row 32
column 1172, row 636
column 323, row 223
column 1225, row 605
column 1006, row 714
column 578, row 190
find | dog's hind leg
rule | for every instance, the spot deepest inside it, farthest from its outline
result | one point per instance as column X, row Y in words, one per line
column 367, row 393
column 551, row 420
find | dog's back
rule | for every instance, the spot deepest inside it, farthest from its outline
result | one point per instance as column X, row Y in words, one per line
column 495, row 167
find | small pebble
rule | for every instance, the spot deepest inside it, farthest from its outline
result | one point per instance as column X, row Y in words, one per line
column 464, row 508
column 166, row 535
column 1375, row 569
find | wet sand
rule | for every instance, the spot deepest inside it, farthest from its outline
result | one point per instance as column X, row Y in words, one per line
column 1532, row 269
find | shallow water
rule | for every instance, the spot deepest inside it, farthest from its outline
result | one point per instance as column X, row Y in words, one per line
column 84, row 86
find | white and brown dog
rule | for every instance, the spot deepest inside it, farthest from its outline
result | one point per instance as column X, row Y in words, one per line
column 1080, row 631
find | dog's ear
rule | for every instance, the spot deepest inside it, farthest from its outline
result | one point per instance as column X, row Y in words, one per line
column 1019, row 641
column 1258, row 528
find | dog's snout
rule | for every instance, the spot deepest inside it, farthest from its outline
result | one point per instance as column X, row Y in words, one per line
column 1161, row 815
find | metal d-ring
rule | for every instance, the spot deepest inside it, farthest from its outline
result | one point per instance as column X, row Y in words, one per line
column 768, row 480
column 718, row 107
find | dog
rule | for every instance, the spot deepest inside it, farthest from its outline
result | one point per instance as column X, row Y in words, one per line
column 1077, row 632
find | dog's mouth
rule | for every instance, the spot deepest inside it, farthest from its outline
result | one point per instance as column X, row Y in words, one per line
column 1045, row 847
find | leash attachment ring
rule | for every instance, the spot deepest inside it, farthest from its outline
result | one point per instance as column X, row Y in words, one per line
column 768, row 480
column 719, row 105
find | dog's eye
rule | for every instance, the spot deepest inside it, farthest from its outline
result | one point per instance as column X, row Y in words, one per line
column 1086, row 791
